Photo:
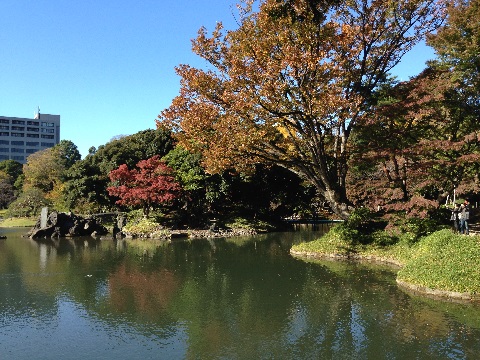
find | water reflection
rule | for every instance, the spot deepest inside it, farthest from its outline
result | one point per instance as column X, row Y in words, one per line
column 237, row 298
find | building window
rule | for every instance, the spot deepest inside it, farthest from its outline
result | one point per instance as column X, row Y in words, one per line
column 34, row 123
column 4, row 142
column 3, row 157
column 3, row 133
column 16, row 142
column 33, row 135
column 48, row 144
column 4, row 121
column 31, row 151
column 18, row 158
column 49, row 131
column 47, row 136
column 18, row 128
column 4, row 127
column 47, row 124
column 15, row 150
column 32, row 143
column 32, row 129
column 18, row 122
column 17, row 134
column 4, row 150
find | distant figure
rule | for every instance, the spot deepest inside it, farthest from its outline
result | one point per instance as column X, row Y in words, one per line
column 455, row 218
column 464, row 217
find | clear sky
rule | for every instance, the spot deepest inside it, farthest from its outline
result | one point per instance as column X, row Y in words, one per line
column 107, row 66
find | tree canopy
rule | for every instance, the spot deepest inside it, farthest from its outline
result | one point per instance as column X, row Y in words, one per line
column 289, row 86
column 152, row 183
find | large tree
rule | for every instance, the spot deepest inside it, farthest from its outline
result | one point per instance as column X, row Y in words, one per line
column 290, row 84
column 457, row 45
column 393, row 166
column 422, row 140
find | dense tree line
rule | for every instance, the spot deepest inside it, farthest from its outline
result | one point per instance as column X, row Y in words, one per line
column 306, row 85
column 297, row 107
column 57, row 177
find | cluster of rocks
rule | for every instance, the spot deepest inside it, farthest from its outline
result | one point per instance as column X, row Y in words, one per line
column 57, row 224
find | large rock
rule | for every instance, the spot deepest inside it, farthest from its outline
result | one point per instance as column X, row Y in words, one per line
column 63, row 225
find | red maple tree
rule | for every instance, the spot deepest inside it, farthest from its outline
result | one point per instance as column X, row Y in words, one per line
column 151, row 183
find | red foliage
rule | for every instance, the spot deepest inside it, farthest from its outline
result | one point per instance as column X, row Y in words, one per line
column 150, row 184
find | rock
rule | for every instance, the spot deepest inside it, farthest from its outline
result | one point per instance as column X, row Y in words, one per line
column 63, row 225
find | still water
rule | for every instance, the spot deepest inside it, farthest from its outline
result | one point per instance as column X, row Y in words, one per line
column 239, row 298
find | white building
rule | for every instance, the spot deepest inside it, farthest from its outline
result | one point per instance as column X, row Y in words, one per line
column 20, row 137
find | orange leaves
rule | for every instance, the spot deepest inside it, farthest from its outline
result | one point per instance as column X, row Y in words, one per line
column 289, row 85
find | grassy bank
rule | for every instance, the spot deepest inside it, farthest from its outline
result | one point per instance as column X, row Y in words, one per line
column 17, row 222
column 441, row 261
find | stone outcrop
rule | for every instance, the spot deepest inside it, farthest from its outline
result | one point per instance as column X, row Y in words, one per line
column 65, row 225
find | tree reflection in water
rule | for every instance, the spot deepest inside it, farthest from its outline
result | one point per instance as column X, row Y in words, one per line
column 224, row 298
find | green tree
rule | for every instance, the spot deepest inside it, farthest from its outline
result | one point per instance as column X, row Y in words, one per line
column 289, row 86
column 7, row 194
column 457, row 46
column 87, row 180
column 12, row 168
column 28, row 204
column 43, row 170
column 68, row 152
column 196, row 198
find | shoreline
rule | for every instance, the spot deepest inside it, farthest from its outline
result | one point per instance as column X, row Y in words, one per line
column 414, row 289
column 168, row 234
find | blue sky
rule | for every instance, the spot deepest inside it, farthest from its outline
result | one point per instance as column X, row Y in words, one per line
column 107, row 67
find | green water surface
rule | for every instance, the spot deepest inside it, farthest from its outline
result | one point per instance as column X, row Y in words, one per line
column 239, row 298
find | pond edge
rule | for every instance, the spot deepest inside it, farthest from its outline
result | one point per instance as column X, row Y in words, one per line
column 409, row 287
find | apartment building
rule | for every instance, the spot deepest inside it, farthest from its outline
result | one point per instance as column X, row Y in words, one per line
column 20, row 137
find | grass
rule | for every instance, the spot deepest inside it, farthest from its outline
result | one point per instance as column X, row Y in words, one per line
column 18, row 222
column 442, row 260
column 445, row 261
column 338, row 242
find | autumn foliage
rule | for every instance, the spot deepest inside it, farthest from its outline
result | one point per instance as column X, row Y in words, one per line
column 150, row 184
column 290, row 85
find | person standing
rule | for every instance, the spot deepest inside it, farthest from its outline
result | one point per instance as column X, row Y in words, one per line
column 464, row 217
column 455, row 218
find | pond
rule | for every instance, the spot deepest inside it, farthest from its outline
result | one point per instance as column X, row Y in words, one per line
column 237, row 298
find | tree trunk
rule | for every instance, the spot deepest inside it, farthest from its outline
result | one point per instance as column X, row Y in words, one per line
column 338, row 203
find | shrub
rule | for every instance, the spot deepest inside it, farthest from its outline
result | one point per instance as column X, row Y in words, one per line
column 142, row 228
column 419, row 228
column 363, row 226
